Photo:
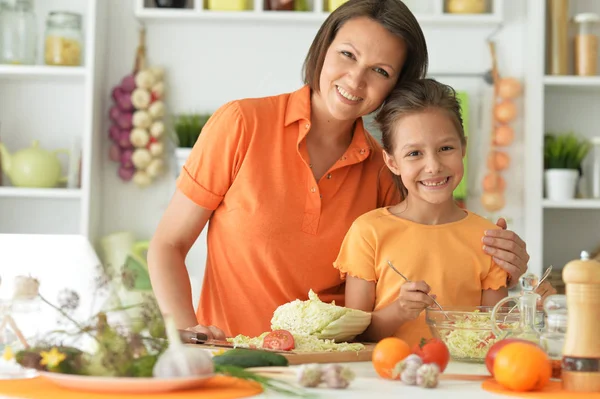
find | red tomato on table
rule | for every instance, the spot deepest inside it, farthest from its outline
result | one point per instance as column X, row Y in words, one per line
column 433, row 350
column 279, row 339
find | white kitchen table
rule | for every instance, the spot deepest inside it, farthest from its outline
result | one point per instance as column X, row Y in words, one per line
column 368, row 383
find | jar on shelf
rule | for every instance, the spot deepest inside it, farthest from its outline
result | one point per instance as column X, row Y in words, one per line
column 586, row 44
column 63, row 39
column 18, row 32
column 466, row 6
column 553, row 336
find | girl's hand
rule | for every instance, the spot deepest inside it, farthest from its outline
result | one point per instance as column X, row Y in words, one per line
column 413, row 299
column 508, row 251
column 211, row 332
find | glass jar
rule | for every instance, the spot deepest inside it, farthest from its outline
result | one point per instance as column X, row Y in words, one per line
column 466, row 6
column 64, row 39
column 18, row 32
column 553, row 336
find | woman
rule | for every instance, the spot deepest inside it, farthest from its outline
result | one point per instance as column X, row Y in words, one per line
column 282, row 178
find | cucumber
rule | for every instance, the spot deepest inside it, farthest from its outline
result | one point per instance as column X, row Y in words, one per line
column 245, row 358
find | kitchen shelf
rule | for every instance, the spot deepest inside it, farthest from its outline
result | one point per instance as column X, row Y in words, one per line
column 41, row 71
column 19, row 192
column 572, row 204
column 158, row 14
column 572, row 81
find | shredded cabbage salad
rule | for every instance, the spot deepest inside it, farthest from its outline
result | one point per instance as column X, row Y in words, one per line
column 471, row 337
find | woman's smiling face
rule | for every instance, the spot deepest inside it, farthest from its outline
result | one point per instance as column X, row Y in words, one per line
column 361, row 67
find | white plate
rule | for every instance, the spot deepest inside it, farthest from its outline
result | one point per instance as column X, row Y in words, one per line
column 125, row 384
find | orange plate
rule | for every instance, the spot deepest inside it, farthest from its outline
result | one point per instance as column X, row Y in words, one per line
column 124, row 384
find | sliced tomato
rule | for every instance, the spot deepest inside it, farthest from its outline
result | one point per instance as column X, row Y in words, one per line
column 486, row 341
column 279, row 339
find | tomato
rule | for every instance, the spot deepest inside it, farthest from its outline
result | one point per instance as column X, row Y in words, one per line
column 280, row 340
column 386, row 354
column 433, row 350
column 493, row 351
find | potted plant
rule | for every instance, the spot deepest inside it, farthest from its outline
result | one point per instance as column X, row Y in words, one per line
column 187, row 129
column 563, row 154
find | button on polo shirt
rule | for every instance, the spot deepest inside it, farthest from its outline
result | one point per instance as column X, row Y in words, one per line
column 275, row 230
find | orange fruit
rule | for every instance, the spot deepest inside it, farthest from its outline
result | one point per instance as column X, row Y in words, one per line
column 522, row 367
column 387, row 353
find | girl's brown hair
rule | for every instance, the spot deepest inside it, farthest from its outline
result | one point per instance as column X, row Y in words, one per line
column 413, row 97
column 393, row 15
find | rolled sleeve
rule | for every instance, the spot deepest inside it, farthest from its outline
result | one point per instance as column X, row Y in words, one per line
column 215, row 158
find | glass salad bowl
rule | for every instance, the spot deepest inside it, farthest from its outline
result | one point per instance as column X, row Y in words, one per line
column 468, row 332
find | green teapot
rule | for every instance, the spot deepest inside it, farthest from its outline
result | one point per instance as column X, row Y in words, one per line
column 33, row 167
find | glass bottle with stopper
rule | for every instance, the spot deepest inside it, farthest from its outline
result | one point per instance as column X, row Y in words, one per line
column 527, row 314
column 553, row 337
column 581, row 353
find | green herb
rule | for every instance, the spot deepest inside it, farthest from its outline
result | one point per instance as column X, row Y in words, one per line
column 267, row 383
column 188, row 128
column 564, row 151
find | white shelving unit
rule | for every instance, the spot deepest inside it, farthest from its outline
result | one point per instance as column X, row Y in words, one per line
column 29, row 111
column 557, row 231
column 195, row 10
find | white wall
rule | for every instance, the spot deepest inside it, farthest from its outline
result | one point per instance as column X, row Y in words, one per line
column 225, row 60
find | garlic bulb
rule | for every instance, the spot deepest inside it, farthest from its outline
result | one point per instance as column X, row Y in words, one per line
column 157, row 129
column 337, row 376
column 427, row 375
column 407, row 369
column 145, row 79
column 141, row 179
column 139, row 137
column 309, row 375
column 157, row 149
column 158, row 90
column 141, row 158
column 180, row 360
column 155, row 167
column 142, row 119
column 157, row 109
column 158, row 72
column 140, row 98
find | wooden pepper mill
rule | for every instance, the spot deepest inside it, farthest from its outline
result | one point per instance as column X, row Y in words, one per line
column 581, row 352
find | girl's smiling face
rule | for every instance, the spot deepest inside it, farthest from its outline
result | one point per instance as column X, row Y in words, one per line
column 361, row 67
column 428, row 155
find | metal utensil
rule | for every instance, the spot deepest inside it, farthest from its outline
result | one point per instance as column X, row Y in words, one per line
column 191, row 337
column 408, row 281
column 544, row 277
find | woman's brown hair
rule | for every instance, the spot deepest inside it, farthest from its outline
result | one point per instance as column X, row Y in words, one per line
column 412, row 97
column 393, row 15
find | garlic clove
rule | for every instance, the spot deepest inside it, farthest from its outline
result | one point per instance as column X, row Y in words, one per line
column 155, row 167
column 157, row 149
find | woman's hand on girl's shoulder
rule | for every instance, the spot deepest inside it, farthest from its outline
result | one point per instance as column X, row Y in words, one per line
column 508, row 251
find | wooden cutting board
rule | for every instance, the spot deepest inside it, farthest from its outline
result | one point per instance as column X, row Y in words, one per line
column 316, row 357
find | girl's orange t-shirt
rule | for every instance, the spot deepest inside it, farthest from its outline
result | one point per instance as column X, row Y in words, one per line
column 275, row 230
column 448, row 257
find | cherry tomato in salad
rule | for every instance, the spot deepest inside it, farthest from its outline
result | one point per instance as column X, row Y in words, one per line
column 279, row 339
column 433, row 350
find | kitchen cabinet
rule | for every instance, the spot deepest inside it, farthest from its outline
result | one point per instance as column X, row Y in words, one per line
column 427, row 11
column 60, row 107
column 556, row 232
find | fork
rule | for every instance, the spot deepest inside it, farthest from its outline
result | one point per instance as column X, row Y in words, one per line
column 408, row 281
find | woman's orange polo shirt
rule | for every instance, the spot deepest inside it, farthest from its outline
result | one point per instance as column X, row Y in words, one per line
column 275, row 231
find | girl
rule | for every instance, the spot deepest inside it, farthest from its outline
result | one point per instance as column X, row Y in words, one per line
column 427, row 236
